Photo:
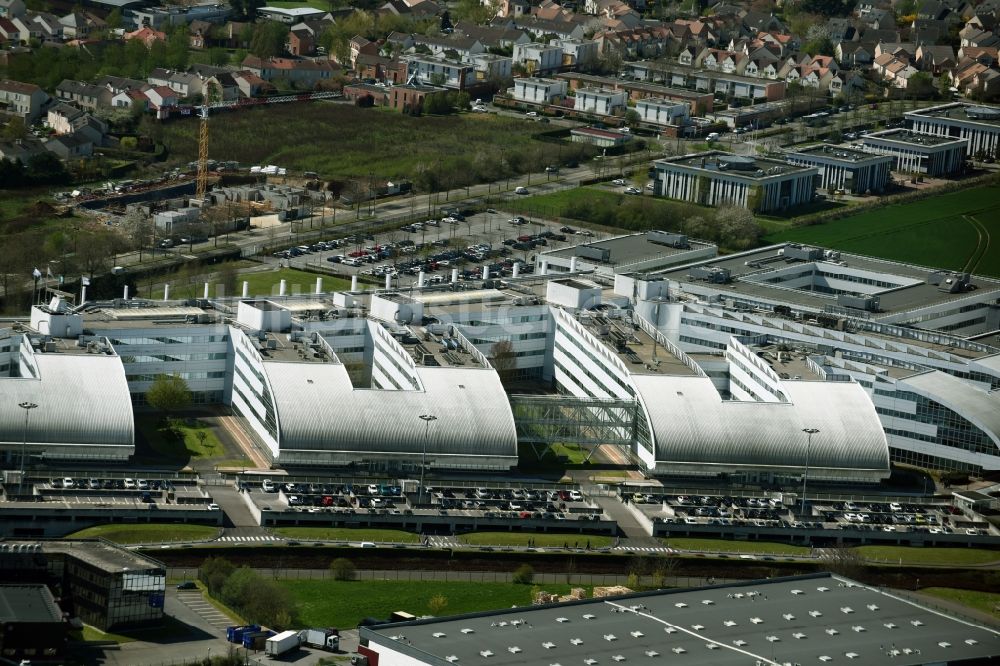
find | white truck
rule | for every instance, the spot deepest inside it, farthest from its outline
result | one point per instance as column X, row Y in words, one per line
column 324, row 639
column 282, row 643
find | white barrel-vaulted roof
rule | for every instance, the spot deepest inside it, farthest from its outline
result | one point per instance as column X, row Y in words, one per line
column 695, row 431
column 319, row 409
column 84, row 408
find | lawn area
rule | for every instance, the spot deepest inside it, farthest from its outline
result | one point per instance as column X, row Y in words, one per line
column 89, row 633
column 540, row 540
column 958, row 230
column 345, row 534
column 725, row 545
column 147, row 532
column 267, row 283
column 345, row 141
column 985, row 602
column 943, row 556
column 183, row 440
column 326, row 603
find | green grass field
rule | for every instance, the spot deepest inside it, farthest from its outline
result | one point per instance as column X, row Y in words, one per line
column 325, row 603
column 724, row 545
column 958, row 230
column 196, row 439
column 985, row 602
column 345, row 141
column 147, row 532
column 540, row 540
column 940, row 556
column 267, row 283
column 345, row 534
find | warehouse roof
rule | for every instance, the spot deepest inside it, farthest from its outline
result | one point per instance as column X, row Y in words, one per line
column 28, row 603
column 805, row 620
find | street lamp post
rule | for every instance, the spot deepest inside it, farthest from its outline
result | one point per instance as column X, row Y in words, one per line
column 427, row 418
column 27, row 407
column 805, row 477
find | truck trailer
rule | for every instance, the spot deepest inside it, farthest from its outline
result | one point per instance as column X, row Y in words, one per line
column 324, row 639
column 277, row 645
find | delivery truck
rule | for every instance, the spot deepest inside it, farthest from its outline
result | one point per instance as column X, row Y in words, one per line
column 324, row 639
column 282, row 643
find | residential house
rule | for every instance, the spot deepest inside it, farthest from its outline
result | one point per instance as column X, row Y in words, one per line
column 24, row 100
column 301, row 43
column 491, row 67
column 573, row 28
column 359, row 45
column 21, row 149
column 600, row 101
column 127, row 99
column 199, row 32
column 10, row 9
column 755, row 22
column 972, row 36
column 251, row 85
column 636, row 43
column 60, row 116
column 26, row 29
column 439, row 72
column 84, row 95
column 380, row 68
column 490, row 36
column 161, row 98
column 74, row 26
column 10, row 35
column 578, row 52
column 855, row 54
column 70, row 146
column 731, row 62
column 49, row 27
column 147, row 36
column 454, row 46
column 411, row 96
column 987, row 55
column 302, row 72
column 894, row 69
column 537, row 90
column 184, row 84
column 425, row 9
column 538, row 58
column 935, row 58
column 513, row 8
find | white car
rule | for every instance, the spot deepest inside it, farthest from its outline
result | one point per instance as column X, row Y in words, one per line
column 372, row 489
column 618, row 181
column 521, row 190
column 129, row 484
column 633, row 190
column 575, row 496
column 142, row 484
column 532, row 114
column 267, row 486
column 213, row 507
column 68, row 482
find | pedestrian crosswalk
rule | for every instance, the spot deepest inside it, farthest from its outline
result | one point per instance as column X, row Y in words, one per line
column 441, row 542
column 266, row 537
column 644, row 549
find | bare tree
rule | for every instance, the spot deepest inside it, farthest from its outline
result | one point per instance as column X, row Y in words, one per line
column 843, row 561
column 503, row 359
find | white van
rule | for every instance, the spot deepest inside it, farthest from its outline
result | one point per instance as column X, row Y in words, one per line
column 713, row 136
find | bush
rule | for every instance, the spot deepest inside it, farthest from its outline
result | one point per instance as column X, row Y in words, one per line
column 342, row 569
column 524, row 575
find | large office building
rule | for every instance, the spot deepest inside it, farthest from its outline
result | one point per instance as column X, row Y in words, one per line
column 918, row 153
column 920, row 342
column 978, row 124
column 842, row 168
column 815, row 619
column 714, row 178
column 630, row 253
column 105, row 585
column 713, row 367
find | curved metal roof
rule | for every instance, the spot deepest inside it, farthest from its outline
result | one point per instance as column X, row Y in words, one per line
column 318, row 408
column 693, row 426
column 981, row 408
column 82, row 399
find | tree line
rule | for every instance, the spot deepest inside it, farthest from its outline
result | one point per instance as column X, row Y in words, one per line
column 257, row 599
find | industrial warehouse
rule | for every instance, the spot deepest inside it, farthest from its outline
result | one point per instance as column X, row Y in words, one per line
column 706, row 369
column 798, row 620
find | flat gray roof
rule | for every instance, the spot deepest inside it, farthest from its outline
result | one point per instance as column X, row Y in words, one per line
column 28, row 603
column 837, row 153
column 802, row 620
column 911, row 138
column 895, row 300
column 980, row 114
column 106, row 556
column 733, row 165
column 631, row 249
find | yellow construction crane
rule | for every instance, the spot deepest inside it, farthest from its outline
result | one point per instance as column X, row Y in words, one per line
column 202, row 154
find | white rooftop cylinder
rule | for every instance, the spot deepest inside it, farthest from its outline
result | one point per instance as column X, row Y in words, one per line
column 545, row 268
column 206, row 292
column 246, row 289
column 454, row 275
column 486, row 272
column 388, row 281
column 420, row 279
column 283, row 288
column 517, row 268
column 125, row 296
column 572, row 264
column 354, row 283
column 166, row 292
column 319, row 285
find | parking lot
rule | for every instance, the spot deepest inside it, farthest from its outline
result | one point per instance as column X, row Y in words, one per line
column 493, row 240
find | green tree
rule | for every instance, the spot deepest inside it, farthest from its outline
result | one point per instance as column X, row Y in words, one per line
column 524, row 575
column 342, row 569
column 218, row 56
column 114, row 19
column 269, row 39
column 169, row 393
column 14, row 129
column 214, row 572
column 819, row 46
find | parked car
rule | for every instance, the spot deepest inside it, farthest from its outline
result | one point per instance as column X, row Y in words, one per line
column 520, row 190
column 187, row 585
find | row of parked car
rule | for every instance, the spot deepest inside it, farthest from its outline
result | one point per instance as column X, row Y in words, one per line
column 93, row 483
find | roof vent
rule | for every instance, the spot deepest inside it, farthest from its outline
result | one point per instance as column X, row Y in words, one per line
column 697, row 627
column 439, row 634
column 739, row 642
column 451, row 659
column 851, row 655
column 652, row 653
column 589, row 616
column 618, row 657
column 486, row 654
column 548, row 645
column 824, row 658
column 513, row 649
column 712, row 646
column 576, row 641
column 815, row 613
column 944, row 644
column 562, row 619
column 707, row 602
column 889, row 625
column 847, row 610
column 916, row 623
column 679, row 650
column 872, row 607
column 832, row 631
column 681, row 604
column 799, row 635
column 858, row 628
column 637, row 634
column 823, row 589
column 729, row 623
column 971, row 641
column 797, row 592
column 788, row 616
column 670, row 630
column 773, row 639
column 756, row 620
column 468, row 631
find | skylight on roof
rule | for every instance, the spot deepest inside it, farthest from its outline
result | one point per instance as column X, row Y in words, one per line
column 739, row 642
